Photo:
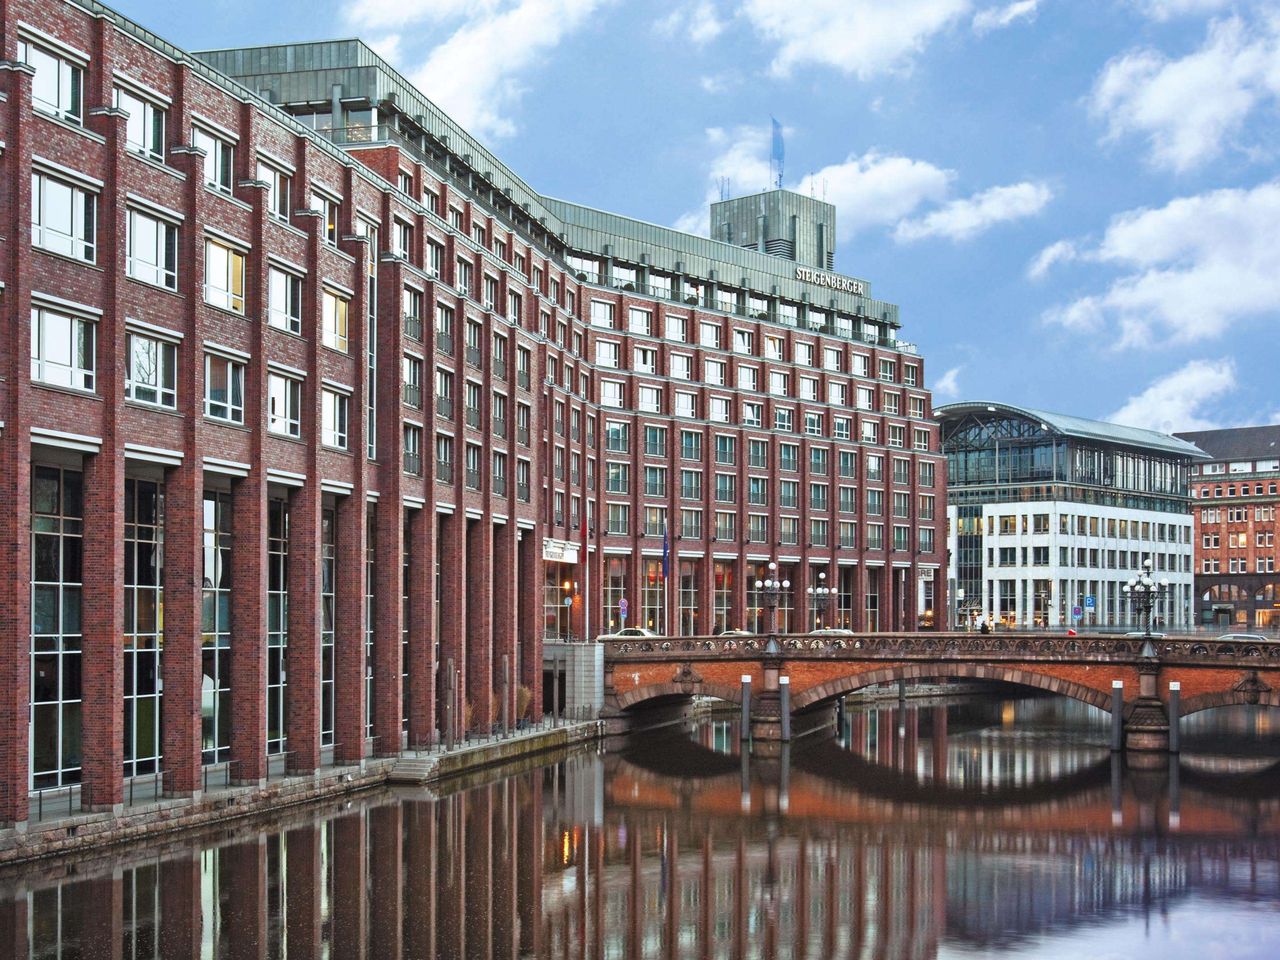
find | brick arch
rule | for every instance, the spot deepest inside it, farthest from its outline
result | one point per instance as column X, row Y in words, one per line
column 962, row 671
column 653, row 691
column 1226, row 698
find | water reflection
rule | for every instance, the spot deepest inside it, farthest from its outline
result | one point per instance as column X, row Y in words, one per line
column 985, row 828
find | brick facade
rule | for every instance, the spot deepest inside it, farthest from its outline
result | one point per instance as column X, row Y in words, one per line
column 472, row 540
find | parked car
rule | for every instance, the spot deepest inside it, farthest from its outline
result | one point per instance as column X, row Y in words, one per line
column 1255, row 637
column 1140, row 633
column 735, row 632
column 629, row 633
column 831, row 632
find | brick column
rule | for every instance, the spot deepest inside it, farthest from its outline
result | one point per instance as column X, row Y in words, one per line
column 705, row 579
column 249, row 628
column 388, row 627
column 530, row 603
column 738, row 608
column 454, row 583
column 305, row 881
column 15, row 463
column 180, row 906
column 302, row 697
column 421, row 544
column 181, row 666
column 349, row 634
column 102, row 724
column 505, row 580
column 479, row 637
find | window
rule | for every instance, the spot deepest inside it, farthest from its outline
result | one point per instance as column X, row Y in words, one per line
column 639, row 321
column 284, row 300
column 223, row 388
column 412, row 376
column 778, row 383
column 813, row 423
column 63, row 218
column 726, row 449
column 58, row 86
column 152, row 250
column 803, row 354
column 617, row 477
column 219, row 166
column 690, row 445
column 691, row 524
column 401, row 239
column 655, row 481
column 413, row 450
column 888, row 370
column 646, row 360
column 726, row 526
column 748, row 378
column 783, row 419
column 714, row 373
column 691, row 484
column 831, row 357
column 686, row 404
column 752, row 414
column 284, row 405
column 62, row 349
column 602, row 314
column 788, row 494
column 681, row 366
column 277, row 191
column 223, row 276
column 678, row 329
column 473, row 456
column 144, row 130
column 328, row 210
column 788, row 457
column 617, row 518
column 758, row 491
column 773, row 348
column 333, row 411
column 444, row 458
column 334, row 322
column 744, row 342
column 709, row 335
column 726, row 488
column 610, row 393
column 928, row 471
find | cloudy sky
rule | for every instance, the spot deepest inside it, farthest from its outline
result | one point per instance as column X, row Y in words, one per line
column 1077, row 205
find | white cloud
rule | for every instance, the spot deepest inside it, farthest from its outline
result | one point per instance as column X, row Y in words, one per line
column 1168, row 9
column 966, row 218
column 1176, row 401
column 718, row 82
column 876, row 189
column 997, row 18
column 1190, row 108
column 697, row 22
column 1060, row 252
column 859, row 37
column 948, row 385
column 1191, row 269
column 474, row 72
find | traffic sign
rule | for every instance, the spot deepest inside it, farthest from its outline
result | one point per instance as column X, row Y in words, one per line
column 622, row 609
column 1090, row 602
column 1076, row 613
column 568, row 601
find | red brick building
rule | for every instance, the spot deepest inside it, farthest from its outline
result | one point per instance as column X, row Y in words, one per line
column 325, row 405
column 1236, row 530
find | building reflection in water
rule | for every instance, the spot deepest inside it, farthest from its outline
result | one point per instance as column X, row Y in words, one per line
column 891, row 840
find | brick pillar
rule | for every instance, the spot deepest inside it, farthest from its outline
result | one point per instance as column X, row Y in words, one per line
column 530, row 602
column 453, row 607
column 302, row 863
column 181, row 666
column 801, row 603
column 386, row 828
column 739, row 611
column 911, row 599
column 349, row 634
column 249, row 628
column 388, row 627
column 302, row 698
column 505, row 579
column 704, row 577
column 102, row 723
column 421, row 544
column 479, row 636
column 180, row 908
column 350, row 897
column 243, row 875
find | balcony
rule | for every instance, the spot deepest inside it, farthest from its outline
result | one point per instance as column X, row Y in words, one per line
column 522, row 436
column 522, row 492
column 444, row 342
column 500, row 485
column 473, row 479
column 500, row 427
column 413, row 327
column 444, row 471
column 413, row 395
column 473, row 417
column 444, row 407
column 522, row 379
column 413, row 463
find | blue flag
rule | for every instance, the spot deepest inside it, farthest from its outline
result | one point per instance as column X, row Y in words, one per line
column 778, row 154
column 666, row 551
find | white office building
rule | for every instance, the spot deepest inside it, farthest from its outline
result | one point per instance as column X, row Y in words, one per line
column 1049, row 516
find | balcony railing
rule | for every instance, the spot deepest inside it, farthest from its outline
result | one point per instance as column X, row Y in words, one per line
column 444, row 342
column 522, row 436
column 444, row 407
column 444, row 471
column 500, row 427
column 413, row 327
column 413, row 395
column 522, row 492
column 500, row 485
column 473, row 416
column 473, row 356
column 522, row 379
column 499, row 369
column 473, row 479
column 412, row 463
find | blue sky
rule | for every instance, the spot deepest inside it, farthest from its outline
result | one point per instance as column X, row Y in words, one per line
column 1077, row 204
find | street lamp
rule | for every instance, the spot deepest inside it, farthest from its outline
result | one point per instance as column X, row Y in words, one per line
column 771, row 588
column 1144, row 592
column 820, row 598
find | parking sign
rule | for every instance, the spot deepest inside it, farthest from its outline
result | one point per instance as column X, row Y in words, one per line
column 1090, row 602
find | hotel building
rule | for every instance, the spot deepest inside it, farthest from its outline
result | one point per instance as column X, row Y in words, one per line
column 1237, row 583
column 1049, row 516
column 317, row 419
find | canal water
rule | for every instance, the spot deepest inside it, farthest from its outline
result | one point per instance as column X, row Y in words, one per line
column 957, row 829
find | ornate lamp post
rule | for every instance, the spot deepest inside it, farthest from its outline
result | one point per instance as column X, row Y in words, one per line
column 1144, row 592
column 771, row 589
column 820, row 598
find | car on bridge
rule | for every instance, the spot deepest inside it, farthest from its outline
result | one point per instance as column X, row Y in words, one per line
column 1255, row 637
column 831, row 632
column 628, row 633
column 1143, row 634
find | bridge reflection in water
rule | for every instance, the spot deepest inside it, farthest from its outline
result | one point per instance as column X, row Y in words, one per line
column 914, row 834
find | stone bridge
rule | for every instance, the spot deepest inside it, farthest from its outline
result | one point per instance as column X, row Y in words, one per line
column 817, row 669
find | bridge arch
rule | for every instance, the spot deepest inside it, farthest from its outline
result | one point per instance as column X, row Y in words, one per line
column 1228, row 698
column 674, row 688
column 960, row 671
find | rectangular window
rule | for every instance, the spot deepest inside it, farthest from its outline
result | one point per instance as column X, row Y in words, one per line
column 606, row 354
column 334, row 322
column 219, row 165
column 152, row 250
column 63, row 218
column 62, row 349
column 328, row 210
column 602, row 314
column 223, row 276
column 333, row 409
column 413, row 450
column 277, row 191
column 223, row 388
column 58, row 85
column 639, row 321
column 284, row 300
column 144, row 130
column 151, row 374
column 284, row 405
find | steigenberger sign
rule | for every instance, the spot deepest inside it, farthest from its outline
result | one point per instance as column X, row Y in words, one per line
column 830, row 280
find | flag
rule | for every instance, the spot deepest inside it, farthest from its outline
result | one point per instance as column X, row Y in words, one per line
column 666, row 551
column 778, row 153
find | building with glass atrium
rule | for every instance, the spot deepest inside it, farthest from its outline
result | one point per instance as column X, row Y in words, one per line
column 1049, row 516
column 316, row 420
